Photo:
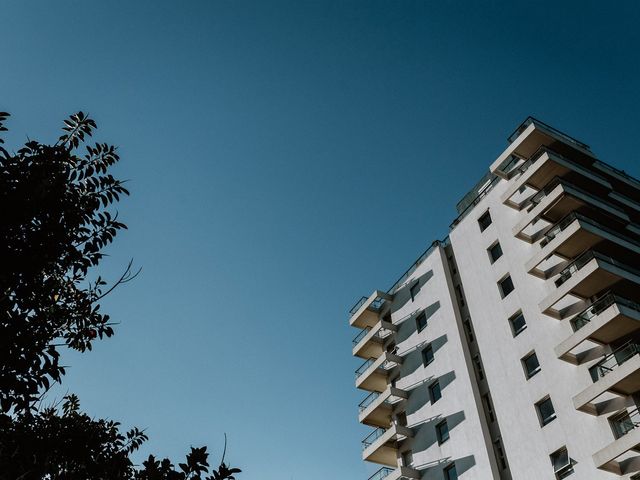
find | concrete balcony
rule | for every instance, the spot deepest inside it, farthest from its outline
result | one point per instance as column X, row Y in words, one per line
column 365, row 313
column 400, row 473
column 370, row 342
column 373, row 375
column 540, row 169
column 528, row 138
column 605, row 321
column 577, row 233
column 618, row 373
column 558, row 199
column 381, row 446
column 615, row 457
column 376, row 409
column 587, row 276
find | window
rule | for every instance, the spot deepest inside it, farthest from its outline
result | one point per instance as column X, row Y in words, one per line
column 477, row 363
column 460, row 295
column 401, row 419
column 434, row 392
column 518, row 324
column 500, row 456
column 427, row 355
column 531, row 365
column 407, row 458
column 442, row 432
column 561, row 463
column 450, row 472
column 495, row 252
column 546, row 413
column 506, row 286
column 413, row 291
column 488, row 406
column 484, row 221
column 468, row 330
column 421, row 321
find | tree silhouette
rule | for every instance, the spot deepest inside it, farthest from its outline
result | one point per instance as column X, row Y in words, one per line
column 56, row 217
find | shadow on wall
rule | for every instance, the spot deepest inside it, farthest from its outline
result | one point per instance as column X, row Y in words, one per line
column 425, row 435
column 408, row 327
column 403, row 295
column 413, row 358
column 419, row 397
column 435, row 470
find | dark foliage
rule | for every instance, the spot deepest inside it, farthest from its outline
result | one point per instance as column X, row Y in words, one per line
column 55, row 221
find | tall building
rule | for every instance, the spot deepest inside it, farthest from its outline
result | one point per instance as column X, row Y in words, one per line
column 511, row 349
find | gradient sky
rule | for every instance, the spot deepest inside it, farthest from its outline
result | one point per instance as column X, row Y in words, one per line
column 285, row 158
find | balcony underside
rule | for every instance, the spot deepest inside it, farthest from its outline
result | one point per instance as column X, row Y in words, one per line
column 608, row 458
column 623, row 380
column 594, row 277
column 402, row 473
column 378, row 414
column 372, row 344
column 375, row 378
column 611, row 324
column 367, row 315
column 384, row 450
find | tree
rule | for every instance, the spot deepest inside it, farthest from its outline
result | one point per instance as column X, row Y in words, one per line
column 56, row 218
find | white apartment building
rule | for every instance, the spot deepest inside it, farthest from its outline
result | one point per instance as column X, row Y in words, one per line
column 511, row 349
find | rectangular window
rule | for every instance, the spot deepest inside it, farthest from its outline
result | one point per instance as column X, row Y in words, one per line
column 518, row 324
column 421, row 321
column 477, row 363
column 442, row 432
column 495, row 252
column 450, row 472
column 530, row 364
column 505, row 286
column 401, row 419
column 460, row 295
column 468, row 330
column 434, row 392
column 561, row 462
column 546, row 412
column 500, row 456
column 484, row 221
column 488, row 406
column 427, row 355
column 407, row 458
column 413, row 291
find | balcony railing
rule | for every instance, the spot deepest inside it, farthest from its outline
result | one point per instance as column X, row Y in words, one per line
column 622, row 173
column 576, row 265
column 375, row 305
column 363, row 368
column 555, row 131
column 598, row 307
column 382, row 473
column 570, row 218
column 369, row 399
column 372, row 437
column 361, row 335
column 625, row 423
column 610, row 362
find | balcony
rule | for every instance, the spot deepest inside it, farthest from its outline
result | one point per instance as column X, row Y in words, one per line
column 618, row 373
column 370, row 342
column 528, row 138
column 588, row 275
column 376, row 409
column 399, row 473
column 381, row 446
column 574, row 234
column 605, row 321
column 627, row 440
column 558, row 199
column 540, row 169
column 365, row 313
column 373, row 374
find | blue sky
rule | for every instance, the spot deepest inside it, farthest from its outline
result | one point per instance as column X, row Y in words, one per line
column 285, row 158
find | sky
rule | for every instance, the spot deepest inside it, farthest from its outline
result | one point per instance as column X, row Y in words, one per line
column 285, row 158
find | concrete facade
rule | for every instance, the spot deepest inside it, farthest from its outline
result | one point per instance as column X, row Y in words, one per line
column 512, row 348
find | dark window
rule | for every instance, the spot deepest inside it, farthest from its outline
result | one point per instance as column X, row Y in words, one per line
column 518, row 324
column 506, row 286
column 442, row 432
column 427, row 355
column 502, row 459
column 546, row 413
column 407, row 458
column 434, row 392
column 495, row 252
column 450, row 472
column 469, row 330
column 561, row 463
column 413, row 291
column 531, row 364
column 460, row 295
column 488, row 405
column 421, row 321
column 484, row 221
column 401, row 419
column 477, row 363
